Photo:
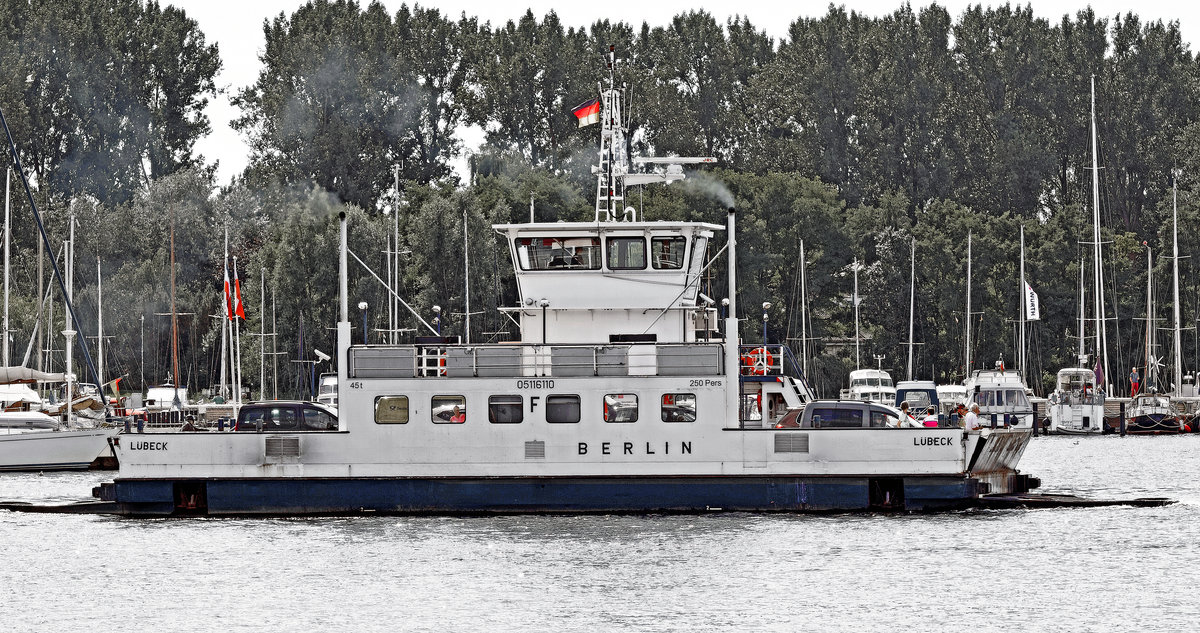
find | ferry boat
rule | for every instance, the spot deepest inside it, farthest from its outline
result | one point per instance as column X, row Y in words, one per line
column 1076, row 406
column 624, row 394
column 1002, row 397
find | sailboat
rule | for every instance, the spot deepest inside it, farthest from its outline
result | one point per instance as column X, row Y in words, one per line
column 1151, row 412
column 1077, row 404
column 33, row 440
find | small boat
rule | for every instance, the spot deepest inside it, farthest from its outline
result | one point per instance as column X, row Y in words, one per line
column 32, row 440
column 327, row 393
column 872, row 385
column 1002, row 397
column 1152, row 413
column 1076, row 405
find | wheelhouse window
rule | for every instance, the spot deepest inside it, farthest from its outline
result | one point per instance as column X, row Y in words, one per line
column 448, row 409
column 620, row 407
column 679, row 407
column 391, row 410
column 562, row 409
column 626, row 253
column 558, row 253
column 666, row 253
column 506, row 409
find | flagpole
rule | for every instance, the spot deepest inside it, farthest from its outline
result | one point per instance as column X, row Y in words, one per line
column 237, row 339
column 1022, row 308
column 223, row 388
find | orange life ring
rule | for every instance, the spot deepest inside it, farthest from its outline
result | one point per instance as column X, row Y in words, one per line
column 757, row 361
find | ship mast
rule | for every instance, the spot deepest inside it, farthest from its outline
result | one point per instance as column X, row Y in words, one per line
column 614, row 172
column 1177, row 376
column 1098, row 265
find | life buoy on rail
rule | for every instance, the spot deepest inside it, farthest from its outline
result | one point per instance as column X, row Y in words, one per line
column 757, row 361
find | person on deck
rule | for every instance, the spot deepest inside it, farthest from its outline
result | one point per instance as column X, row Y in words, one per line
column 1134, row 381
column 931, row 418
column 971, row 422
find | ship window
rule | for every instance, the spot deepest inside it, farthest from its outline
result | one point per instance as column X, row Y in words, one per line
column 391, row 410
column 559, row 253
column 562, row 409
column 626, row 253
column 448, row 409
column 506, row 409
column 679, row 407
column 620, row 407
column 667, row 252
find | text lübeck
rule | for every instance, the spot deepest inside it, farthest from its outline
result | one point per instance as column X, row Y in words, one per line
column 147, row 446
column 638, row 448
column 933, row 441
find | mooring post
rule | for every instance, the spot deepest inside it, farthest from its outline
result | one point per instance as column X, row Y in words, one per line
column 1122, row 422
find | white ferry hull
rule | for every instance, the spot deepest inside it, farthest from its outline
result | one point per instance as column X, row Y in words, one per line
column 928, row 469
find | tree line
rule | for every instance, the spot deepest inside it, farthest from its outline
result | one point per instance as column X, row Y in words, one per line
column 865, row 137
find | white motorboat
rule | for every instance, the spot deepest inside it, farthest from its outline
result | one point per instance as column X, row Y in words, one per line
column 1002, row 397
column 1076, row 405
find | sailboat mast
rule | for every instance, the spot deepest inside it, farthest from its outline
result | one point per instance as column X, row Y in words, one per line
column 803, row 311
column 1082, row 315
column 7, row 216
column 262, row 334
column 99, row 327
column 174, row 320
column 857, row 363
column 967, row 319
column 1177, row 377
column 1151, row 374
column 912, row 303
column 467, row 278
column 1021, row 310
column 1098, row 265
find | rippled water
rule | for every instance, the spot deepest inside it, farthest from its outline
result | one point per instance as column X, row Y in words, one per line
column 1099, row 569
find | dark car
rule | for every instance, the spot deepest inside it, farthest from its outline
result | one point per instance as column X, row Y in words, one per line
column 839, row 414
column 287, row 417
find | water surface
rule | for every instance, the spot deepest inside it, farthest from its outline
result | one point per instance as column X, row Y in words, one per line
column 1095, row 569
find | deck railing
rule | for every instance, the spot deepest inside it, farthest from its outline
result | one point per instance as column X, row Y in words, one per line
column 524, row 360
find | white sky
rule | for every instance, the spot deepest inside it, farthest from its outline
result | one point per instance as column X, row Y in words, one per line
column 236, row 26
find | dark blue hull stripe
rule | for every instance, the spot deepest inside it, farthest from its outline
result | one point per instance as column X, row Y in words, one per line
column 535, row 495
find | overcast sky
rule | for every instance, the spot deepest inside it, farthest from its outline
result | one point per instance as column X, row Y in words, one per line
column 237, row 28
